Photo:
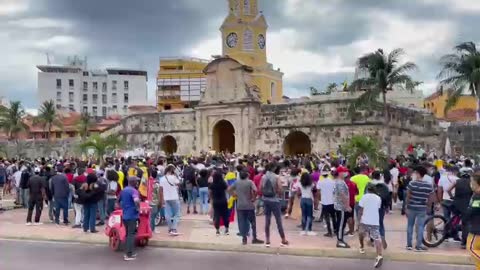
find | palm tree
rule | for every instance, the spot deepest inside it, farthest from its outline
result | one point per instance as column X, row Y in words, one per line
column 359, row 146
column 83, row 125
column 332, row 87
column 102, row 145
column 384, row 72
column 461, row 73
column 11, row 119
column 48, row 117
column 313, row 91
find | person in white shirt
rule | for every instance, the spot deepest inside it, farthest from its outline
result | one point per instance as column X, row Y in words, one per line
column 17, row 176
column 394, row 172
column 326, row 187
column 446, row 181
column 370, row 222
column 168, row 194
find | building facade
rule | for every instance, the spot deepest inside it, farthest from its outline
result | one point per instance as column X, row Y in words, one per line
column 463, row 111
column 180, row 82
column 100, row 93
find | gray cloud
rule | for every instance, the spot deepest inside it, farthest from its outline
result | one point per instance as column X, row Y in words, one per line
column 135, row 33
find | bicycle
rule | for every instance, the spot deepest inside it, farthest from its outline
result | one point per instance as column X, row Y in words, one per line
column 438, row 229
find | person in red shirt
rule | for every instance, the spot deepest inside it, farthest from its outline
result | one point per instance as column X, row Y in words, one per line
column 257, row 181
column 251, row 170
column 353, row 191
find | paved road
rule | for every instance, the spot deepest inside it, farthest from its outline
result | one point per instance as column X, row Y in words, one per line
column 26, row 255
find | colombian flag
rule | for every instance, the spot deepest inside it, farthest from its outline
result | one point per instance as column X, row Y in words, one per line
column 231, row 209
column 230, row 178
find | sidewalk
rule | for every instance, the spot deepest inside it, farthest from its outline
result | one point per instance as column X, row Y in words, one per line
column 197, row 233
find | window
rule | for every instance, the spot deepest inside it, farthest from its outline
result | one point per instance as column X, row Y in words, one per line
column 59, row 84
column 273, row 91
column 95, row 98
column 125, row 109
column 114, row 85
column 167, row 107
column 125, row 85
column 85, row 86
column 59, row 95
column 125, row 98
column 248, row 40
column 70, row 97
column 104, row 87
column 85, row 73
column 58, row 135
column 246, row 7
column 104, row 111
column 71, row 108
column 85, row 109
column 114, row 108
column 114, row 98
column 85, row 98
column 95, row 86
column 104, row 99
column 94, row 111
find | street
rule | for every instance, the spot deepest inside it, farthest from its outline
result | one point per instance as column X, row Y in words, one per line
column 23, row 255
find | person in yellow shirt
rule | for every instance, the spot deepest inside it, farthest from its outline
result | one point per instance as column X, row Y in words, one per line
column 121, row 178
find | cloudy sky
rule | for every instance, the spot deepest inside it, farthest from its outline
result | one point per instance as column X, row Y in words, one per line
column 313, row 41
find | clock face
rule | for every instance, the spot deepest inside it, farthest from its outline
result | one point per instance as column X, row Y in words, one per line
column 261, row 41
column 232, row 40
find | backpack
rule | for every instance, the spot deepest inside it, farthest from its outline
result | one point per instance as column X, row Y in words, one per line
column 268, row 190
column 382, row 191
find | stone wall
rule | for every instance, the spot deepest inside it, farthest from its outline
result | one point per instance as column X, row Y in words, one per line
column 327, row 124
column 464, row 139
column 148, row 130
column 39, row 148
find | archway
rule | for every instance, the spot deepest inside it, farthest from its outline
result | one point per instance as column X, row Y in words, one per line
column 168, row 144
column 224, row 137
column 296, row 143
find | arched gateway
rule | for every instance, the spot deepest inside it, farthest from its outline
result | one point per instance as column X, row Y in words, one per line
column 296, row 143
column 224, row 137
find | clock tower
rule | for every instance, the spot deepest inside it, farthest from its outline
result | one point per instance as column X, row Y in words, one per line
column 244, row 38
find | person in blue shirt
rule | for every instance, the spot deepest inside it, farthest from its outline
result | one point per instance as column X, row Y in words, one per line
column 129, row 200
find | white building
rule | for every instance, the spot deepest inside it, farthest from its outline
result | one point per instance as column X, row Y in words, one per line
column 100, row 93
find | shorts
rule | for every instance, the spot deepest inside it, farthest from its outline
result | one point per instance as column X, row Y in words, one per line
column 372, row 230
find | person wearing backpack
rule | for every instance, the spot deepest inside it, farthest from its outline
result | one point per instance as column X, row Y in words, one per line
column 271, row 190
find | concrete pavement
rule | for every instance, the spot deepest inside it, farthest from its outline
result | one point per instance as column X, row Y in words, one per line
column 197, row 233
column 21, row 255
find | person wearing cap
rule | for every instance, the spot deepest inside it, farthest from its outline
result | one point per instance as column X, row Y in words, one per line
column 36, row 186
column 326, row 187
column 129, row 200
column 60, row 191
column 341, row 203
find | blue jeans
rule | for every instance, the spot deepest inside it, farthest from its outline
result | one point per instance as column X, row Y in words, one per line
column 381, row 214
column 245, row 219
column 203, row 199
column 273, row 208
column 25, row 197
column 61, row 203
column 89, row 216
column 192, row 197
column 307, row 213
column 110, row 205
column 419, row 216
column 172, row 213
column 131, row 231
column 153, row 216
column 101, row 210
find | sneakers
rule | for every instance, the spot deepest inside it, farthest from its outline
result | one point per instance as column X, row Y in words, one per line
column 350, row 234
column 287, row 216
column 76, row 226
column 409, row 248
column 174, row 233
column 378, row 261
column 37, row 223
column 310, row 233
column 284, row 243
column 28, row 224
column 421, row 249
column 342, row 245
column 244, row 240
column 129, row 258
column 267, row 244
column 361, row 250
column 226, row 232
column 328, row 235
column 94, row 231
column 303, row 233
column 217, row 234
column 257, row 241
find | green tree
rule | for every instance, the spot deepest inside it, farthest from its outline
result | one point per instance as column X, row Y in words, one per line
column 48, row 117
column 11, row 119
column 331, row 87
column 102, row 145
column 314, row 91
column 461, row 73
column 359, row 146
column 84, row 124
column 384, row 72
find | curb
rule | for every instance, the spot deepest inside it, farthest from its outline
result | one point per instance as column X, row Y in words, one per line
column 324, row 252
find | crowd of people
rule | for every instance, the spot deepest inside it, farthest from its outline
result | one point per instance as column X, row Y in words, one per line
column 346, row 199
